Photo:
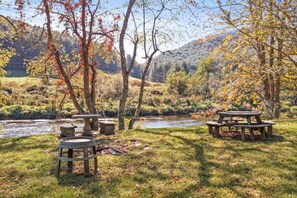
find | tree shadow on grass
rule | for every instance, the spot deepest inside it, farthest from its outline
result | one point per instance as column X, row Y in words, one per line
column 204, row 173
column 232, row 184
column 24, row 143
column 236, row 136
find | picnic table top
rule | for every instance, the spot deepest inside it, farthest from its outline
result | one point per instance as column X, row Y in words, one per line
column 87, row 116
column 240, row 113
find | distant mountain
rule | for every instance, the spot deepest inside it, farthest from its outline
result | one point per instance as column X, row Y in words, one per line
column 33, row 42
column 184, row 58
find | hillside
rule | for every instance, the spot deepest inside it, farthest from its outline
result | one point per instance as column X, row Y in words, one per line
column 33, row 43
column 184, row 58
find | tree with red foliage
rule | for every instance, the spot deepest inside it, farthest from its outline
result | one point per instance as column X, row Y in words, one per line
column 81, row 19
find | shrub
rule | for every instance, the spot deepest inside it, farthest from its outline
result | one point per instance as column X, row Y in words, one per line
column 232, row 108
column 166, row 110
column 149, row 111
column 8, row 90
column 177, row 82
column 157, row 92
column 167, row 100
column 285, row 106
column 293, row 110
column 36, row 89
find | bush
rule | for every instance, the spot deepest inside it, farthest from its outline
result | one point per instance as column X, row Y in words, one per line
column 285, row 106
column 35, row 88
column 149, row 111
column 8, row 90
column 293, row 110
column 177, row 82
column 233, row 109
column 26, row 112
column 167, row 110
column 157, row 92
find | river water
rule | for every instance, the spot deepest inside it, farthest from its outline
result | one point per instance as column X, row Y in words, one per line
column 21, row 128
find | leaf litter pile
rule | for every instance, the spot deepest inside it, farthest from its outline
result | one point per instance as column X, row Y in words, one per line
column 118, row 149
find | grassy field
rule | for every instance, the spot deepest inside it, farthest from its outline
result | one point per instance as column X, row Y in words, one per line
column 180, row 162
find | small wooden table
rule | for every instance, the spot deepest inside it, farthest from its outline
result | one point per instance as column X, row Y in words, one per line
column 87, row 127
column 74, row 144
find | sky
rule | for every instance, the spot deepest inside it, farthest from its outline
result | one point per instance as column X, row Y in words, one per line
column 191, row 25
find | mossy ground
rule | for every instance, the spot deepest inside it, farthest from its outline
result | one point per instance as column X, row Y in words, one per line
column 179, row 162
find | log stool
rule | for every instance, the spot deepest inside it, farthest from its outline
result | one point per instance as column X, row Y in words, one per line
column 77, row 144
column 67, row 130
column 107, row 127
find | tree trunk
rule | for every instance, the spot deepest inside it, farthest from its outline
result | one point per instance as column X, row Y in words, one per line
column 141, row 90
column 122, row 104
column 94, row 123
column 55, row 53
column 277, row 78
column 84, row 60
column 271, row 76
column 125, row 73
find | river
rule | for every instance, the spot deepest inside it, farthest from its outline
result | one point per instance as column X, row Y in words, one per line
column 22, row 128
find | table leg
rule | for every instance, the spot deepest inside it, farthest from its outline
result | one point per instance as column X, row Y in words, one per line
column 249, row 121
column 59, row 162
column 259, row 121
column 269, row 132
column 87, row 128
column 95, row 160
column 220, row 120
column 252, row 134
column 210, row 131
column 242, row 134
column 86, row 163
column 262, row 130
column 216, row 131
column 70, row 163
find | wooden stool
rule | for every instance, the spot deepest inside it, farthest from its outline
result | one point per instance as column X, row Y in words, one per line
column 67, row 130
column 107, row 127
column 76, row 144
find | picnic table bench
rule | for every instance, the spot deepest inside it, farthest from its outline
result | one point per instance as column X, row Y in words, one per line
column 228, row 119
column 260, row 127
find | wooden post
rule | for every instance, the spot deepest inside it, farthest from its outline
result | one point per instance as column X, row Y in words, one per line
column 86, row 162
column 242, row 134
column 252, row 134
column 59, row 161
column 95, row 161
column 70, row 163
column 269, row 131
column 216, row 131
column 262, row 130
column 210, row 130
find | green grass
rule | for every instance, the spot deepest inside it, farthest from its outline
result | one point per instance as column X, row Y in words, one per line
column 180, row 162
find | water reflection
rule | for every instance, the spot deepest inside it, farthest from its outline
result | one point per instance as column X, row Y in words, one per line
column 167, row 121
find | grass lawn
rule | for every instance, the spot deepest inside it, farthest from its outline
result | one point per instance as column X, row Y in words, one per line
column 180, row 162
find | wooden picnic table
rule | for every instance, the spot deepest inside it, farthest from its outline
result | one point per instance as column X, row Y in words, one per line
column 87, row 127
column 258, row 124
column 244, row 114
column 227, row 118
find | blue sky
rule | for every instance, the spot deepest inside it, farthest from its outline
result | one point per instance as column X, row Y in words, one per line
column 204, row 20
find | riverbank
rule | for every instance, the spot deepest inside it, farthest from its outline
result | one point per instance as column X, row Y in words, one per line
column 22, row 128
column 30, row 98
column 175, row 162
